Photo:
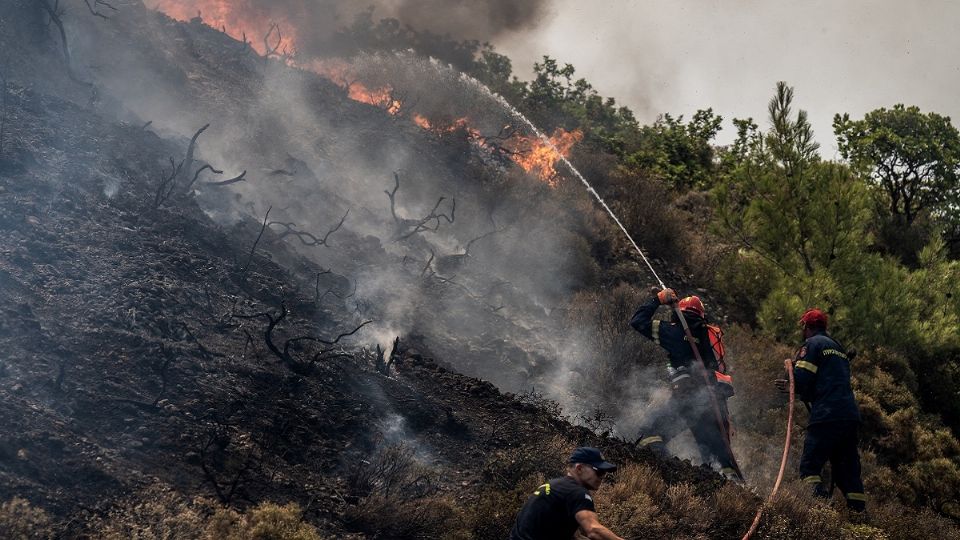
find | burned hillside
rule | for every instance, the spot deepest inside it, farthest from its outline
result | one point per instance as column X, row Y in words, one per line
column 235, row 275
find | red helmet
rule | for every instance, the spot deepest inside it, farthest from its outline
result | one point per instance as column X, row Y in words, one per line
column 693, row 305
column 813, row 318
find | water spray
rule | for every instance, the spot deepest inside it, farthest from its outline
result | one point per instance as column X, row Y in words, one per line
column 519, row 116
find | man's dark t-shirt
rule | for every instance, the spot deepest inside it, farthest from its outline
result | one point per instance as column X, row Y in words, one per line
column 549, row 514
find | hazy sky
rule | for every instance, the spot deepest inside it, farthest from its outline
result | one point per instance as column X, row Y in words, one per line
column 678, row 56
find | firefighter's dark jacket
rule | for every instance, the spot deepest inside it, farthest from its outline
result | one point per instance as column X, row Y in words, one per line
column 821, row 373
column 672, row 338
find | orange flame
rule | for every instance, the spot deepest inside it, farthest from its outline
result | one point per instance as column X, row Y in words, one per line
column 421, row 121
column 462, row 123
column 236, row 19
column 339, row 72
column 539, row 158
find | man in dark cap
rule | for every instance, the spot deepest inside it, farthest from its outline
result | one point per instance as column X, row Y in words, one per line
column 561, row 506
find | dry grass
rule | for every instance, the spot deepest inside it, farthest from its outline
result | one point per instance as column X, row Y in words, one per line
column 494, row 513
column 508, row 467
column 267, row 521
column 19, row 520
column 157, row 513
column 162, row 514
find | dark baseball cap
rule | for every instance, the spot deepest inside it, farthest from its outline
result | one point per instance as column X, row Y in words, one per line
column 593, row 457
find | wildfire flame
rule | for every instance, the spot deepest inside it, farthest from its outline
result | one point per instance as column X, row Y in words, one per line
column 539, row 158
column 532, row 154
column 234, row 18
column 462, row 123
column 340, row 73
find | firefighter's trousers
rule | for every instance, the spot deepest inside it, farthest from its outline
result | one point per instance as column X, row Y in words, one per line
column 835, row 442
column 689, row 408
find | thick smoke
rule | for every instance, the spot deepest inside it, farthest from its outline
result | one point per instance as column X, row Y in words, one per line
column 315, row 25
column 466, row 19
column 661, row 56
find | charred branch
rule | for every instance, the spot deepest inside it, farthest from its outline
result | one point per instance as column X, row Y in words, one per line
column 272, row 322
column 95, row 4
column 246, row 343
column 495, row 142
column 306, row 238
column 188, row 161
column 285, row 354
column 450, row 263
column 295, row 342
column 253, row 249
column 197, row 175
column 234, row 180
column 466, row 252
column 316, row 287
column 218, row 439
column 54, row 12
column 392, row 195
column 429, row 223
column 427, row 267
column 334, row 293
column 268, row 49
column 383, row 365
column 167, row 184
column 482, row 298
column 188, row 166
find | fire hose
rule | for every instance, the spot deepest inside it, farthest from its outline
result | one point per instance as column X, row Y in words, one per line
column 783, row 460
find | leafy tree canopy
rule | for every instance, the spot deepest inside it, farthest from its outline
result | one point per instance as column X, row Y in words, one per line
column 679, row 153
column 913, row 157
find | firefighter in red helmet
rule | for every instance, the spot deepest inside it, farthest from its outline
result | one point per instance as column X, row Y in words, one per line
column 821, row 371
column 691, row 404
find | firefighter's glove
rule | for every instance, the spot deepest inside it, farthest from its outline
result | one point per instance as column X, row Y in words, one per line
column 783, row 383
column 666, row 296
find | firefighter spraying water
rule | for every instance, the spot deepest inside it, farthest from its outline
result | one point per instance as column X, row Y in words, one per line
column 696, row 381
